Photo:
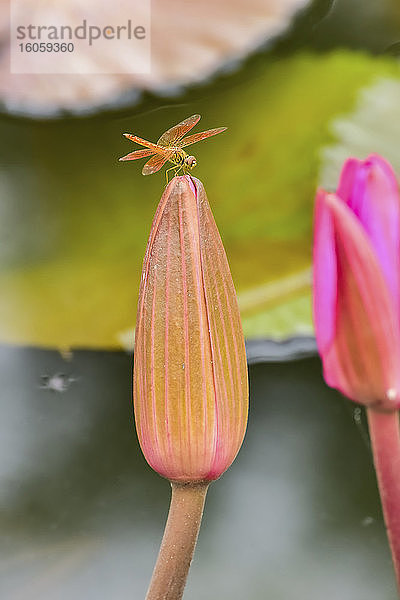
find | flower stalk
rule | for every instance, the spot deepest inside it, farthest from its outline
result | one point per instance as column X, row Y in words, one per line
column 385, row 440
column 179, row 541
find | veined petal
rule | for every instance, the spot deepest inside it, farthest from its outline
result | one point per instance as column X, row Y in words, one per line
column 226, row 341
column 190, row 372
column 363, row 360
column 370, row 190
column 324, row 273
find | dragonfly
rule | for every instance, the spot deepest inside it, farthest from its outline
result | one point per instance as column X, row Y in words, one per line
column 169, row 147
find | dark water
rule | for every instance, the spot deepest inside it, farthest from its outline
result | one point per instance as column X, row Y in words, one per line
column 296, row 517
column 372, row 25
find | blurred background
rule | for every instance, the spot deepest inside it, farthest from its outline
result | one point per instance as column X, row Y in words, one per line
column 300, row 85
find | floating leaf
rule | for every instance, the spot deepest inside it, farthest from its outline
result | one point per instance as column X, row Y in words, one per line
column 207, row 36
column 74, row 221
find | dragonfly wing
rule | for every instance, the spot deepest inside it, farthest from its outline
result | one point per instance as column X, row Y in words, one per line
column 138, row 140
column 176, row 133
column 155, row 163
column 196, row 137
column 137, row 154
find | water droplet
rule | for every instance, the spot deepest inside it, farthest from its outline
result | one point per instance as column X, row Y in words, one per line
column 391, row 394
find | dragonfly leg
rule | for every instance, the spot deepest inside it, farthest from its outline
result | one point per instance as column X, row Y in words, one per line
column 180, row 168
column 174, row 168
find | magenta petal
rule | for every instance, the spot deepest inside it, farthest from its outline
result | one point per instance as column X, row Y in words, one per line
column 347, row 179
column 370, row 190
column 324, row 273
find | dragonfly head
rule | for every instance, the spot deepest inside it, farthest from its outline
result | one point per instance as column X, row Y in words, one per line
column 190, row 162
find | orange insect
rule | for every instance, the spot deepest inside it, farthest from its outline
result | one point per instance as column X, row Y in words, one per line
column 170, row 147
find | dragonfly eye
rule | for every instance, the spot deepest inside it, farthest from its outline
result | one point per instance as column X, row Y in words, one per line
column 191, row 161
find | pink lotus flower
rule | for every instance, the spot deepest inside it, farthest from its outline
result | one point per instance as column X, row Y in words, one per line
column 190, row 372
column 357, row 283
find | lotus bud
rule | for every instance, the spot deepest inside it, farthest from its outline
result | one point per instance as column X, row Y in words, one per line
column 357, row 283
column 190, row 372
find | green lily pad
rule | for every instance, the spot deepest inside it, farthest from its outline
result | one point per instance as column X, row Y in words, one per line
column 74, row 221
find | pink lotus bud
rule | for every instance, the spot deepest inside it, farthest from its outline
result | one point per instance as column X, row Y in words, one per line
column 190, row 373
column 357, row 283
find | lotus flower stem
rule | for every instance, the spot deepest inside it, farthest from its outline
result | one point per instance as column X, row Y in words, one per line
column 385, row 440
column 179, row 541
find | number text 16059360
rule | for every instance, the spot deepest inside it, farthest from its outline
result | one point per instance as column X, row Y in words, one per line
column 46, row 47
